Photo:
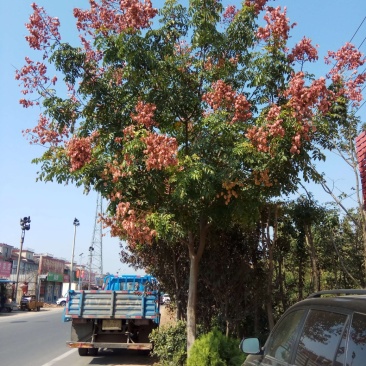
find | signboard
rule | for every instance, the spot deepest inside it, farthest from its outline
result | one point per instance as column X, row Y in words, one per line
column 5, row 269
column 55, row 277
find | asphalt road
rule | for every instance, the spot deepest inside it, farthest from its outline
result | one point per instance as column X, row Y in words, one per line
column 39, row 339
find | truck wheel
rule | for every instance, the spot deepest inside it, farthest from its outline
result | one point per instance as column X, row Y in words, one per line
column 93, row 351
column 38, row 308
column 83, row 351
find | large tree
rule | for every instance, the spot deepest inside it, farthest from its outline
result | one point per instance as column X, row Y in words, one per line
column 185, row 121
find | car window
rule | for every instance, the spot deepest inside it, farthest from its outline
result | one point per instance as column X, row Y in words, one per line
column 281, row 342
column 356, row 353
column 321, row 338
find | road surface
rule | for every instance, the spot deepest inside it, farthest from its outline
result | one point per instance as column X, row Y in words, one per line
column 39, row 339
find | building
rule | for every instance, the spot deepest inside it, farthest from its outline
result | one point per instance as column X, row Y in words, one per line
column 51, row 274
column 5, row 260
column 42, row 274
column 28, row 272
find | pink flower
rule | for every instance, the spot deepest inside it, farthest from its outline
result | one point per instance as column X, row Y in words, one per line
column 145, row 114
column 161, row 151
column 303, row 51
column 79, row 150
column 258, row 5
column 277, row 25
column 115, row 16
column 223, row 96
column 345, row 72
column 42, row 29
column 229, row 14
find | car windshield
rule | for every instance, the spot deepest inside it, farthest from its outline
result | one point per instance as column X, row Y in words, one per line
column 281, row 342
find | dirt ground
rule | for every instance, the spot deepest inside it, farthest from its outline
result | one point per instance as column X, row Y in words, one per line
column 167, row 316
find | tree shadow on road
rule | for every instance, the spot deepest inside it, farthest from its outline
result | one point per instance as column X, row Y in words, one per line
column 122, row 357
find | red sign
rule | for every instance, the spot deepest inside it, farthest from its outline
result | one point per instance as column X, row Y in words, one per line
column 5, row 269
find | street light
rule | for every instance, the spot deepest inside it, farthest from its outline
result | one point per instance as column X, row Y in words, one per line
column 71, row 277
column 25, row 225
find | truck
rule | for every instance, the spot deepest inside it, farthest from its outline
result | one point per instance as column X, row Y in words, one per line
column 30, row 302
column 120, row 315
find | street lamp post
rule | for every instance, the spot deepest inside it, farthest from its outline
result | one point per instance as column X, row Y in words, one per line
column 71, row 277
column 25, row 225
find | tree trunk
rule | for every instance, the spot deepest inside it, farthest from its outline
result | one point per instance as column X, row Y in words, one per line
column 256, row 315
column 194, row 256
column 281, row 280
column 270, row 248
column 357, row 284
column 178, row 291
column 300, row 280
column 192, row 301
column 313, row 258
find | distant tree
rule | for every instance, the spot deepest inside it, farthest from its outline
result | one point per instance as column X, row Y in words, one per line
column 185, row 124
column 228, row 278
column 345, row 126
column 166, row 261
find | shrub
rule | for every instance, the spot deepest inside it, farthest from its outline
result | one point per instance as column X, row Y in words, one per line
column 214, row 349
column 170, row 344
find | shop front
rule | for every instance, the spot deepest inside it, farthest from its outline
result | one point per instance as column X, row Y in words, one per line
column 51, row 287
column 51, row 275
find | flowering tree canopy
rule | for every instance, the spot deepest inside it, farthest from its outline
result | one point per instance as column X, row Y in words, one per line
column 183, row 118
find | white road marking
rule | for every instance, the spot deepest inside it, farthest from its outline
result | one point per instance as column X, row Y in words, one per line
column 59, row 358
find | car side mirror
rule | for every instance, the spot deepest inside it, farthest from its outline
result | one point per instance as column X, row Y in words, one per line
column 250, row 346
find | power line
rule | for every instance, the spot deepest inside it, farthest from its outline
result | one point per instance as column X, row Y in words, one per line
column 361, row 43
column 357, row 30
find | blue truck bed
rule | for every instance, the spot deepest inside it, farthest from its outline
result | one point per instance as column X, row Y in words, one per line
column 122, row 315
column 104, row 304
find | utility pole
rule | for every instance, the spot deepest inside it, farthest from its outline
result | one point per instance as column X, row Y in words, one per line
column 71, row 277
column 25, row 225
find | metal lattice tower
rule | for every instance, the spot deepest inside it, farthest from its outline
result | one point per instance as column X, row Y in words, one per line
column 96, row 246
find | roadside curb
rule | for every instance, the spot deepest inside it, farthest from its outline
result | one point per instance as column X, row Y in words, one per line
column 19, row 312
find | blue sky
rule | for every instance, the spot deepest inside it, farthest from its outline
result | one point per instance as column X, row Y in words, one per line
column 53, row 207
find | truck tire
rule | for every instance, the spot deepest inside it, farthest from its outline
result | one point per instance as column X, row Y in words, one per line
column 93, row 351
column 83, row 351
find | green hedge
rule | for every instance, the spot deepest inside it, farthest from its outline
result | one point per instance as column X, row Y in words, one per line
column 214, row 349
column 170, row 344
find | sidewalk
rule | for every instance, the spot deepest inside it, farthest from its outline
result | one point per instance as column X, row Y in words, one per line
column 15, row 312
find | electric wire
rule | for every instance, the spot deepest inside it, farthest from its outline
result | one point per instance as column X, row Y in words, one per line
column 357, row 29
